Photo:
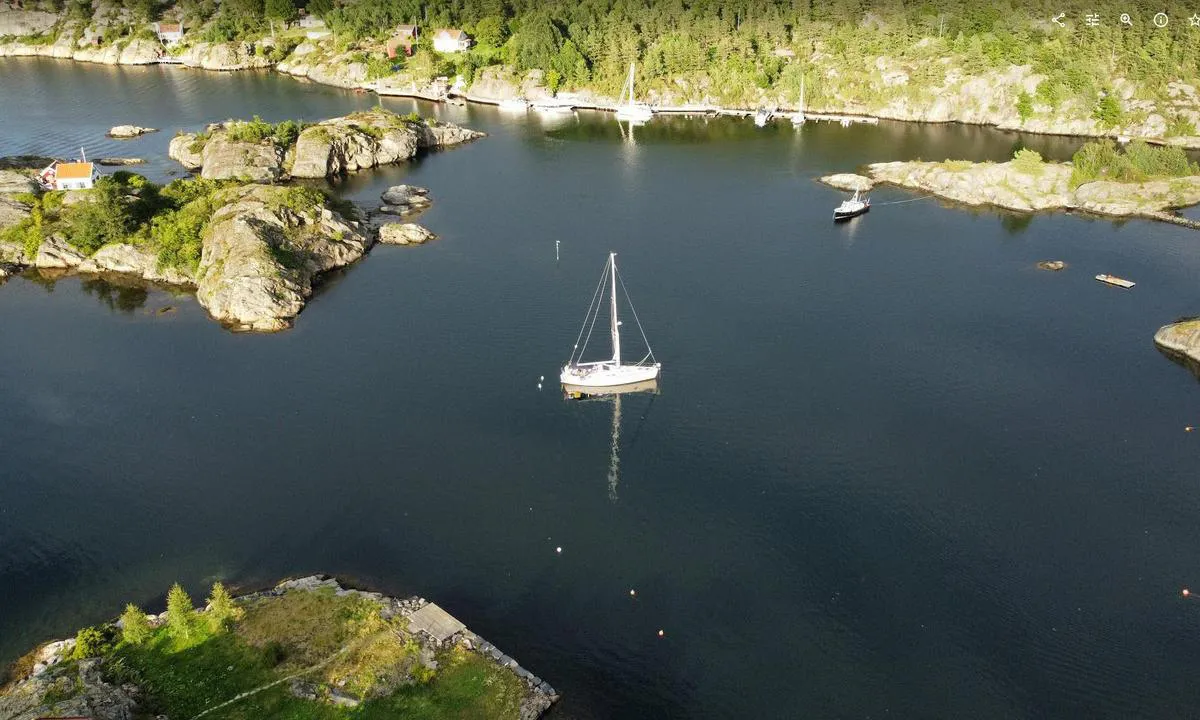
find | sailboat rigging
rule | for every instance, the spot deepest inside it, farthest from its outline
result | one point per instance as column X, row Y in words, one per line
column 798, row 116
column 611, row 375
column 629, row 109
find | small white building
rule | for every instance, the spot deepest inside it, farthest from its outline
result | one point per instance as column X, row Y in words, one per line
column 68, row 176
column 311, row 22
column 169, row 33
column 451, row 40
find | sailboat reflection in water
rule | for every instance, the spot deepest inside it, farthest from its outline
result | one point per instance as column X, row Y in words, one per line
column 613, row 396
column 607, row 376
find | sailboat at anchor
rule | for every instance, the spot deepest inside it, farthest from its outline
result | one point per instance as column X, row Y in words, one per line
column 606, row 376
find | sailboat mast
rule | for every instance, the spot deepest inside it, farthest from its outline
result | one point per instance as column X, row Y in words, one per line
column 616, row 324
column 630, row 83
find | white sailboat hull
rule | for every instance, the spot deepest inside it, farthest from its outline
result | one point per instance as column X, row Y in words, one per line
column 553, row 109
column 634, row 113
column 606, row 374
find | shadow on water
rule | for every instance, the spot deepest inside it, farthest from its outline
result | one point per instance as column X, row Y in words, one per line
column 123, row 294
column 118, row 297
column 1015, row 223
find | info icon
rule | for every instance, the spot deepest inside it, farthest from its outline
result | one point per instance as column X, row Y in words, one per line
column 1161, row 20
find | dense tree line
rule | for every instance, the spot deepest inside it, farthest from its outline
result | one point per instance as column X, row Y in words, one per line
column 729, row 46
column 733, row 41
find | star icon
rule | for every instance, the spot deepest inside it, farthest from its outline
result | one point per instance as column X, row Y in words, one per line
column 1194, row 20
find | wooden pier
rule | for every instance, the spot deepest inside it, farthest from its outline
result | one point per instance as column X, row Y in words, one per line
column 843, row 119
column 582, row 103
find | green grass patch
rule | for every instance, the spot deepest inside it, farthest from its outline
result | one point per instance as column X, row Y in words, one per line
column 184, row 679
column 1028, row 161
column 466, row 687
column 306, row 626
column 956, row 165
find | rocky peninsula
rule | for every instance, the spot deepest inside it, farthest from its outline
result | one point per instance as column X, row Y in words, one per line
column 307, row 648
column 252, row 251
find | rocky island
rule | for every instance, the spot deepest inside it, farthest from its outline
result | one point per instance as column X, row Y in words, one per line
column 307, row 648
column 1138, row 181
column 263, row 152
column 252, row 251
column 1181, row 340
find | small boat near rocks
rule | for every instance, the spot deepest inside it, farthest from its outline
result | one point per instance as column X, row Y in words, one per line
column 853, row 207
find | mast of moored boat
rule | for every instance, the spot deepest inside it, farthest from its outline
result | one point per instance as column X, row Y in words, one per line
column 616, row 332
column 630, row 84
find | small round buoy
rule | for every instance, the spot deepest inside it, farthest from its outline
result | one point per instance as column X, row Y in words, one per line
column 558, row 549
column 661, row 633
column 539, row 386
column 541, row 378
column 1189, row 428
column 632, row 593
column 1186, row 592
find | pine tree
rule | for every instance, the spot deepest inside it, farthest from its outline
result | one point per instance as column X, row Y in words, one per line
column 180, row 613
column 221, row 609
column 284, row 10
column 135, row 628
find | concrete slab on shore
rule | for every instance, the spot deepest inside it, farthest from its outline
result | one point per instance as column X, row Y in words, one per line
column 435, row 622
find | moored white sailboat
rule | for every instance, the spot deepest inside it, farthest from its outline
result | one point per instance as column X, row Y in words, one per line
column 798, row 116
column 629, row 109
column 606, row 375
column 514, row 105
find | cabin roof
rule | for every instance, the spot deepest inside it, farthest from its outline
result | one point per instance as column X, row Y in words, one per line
column 452, row 32
column 164, row 27
column 73, row 171
column 406, row 29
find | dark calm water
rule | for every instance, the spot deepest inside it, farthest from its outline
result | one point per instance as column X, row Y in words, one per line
column 894, row 470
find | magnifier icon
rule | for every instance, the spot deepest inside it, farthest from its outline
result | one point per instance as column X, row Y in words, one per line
column 1126, row 20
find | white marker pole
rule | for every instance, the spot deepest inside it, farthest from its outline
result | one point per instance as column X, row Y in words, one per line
column 555, row 251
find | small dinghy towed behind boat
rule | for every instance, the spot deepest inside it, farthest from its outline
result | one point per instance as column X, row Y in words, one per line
column 853, row 207
column 602, row 376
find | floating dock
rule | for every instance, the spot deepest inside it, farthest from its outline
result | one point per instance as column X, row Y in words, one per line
column 1115, row 281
